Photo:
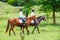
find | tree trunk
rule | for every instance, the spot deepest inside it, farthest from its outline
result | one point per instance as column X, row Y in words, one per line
column 54, row 21
column 26, row 1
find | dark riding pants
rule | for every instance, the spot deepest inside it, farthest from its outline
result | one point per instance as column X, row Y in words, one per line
column 23, row 19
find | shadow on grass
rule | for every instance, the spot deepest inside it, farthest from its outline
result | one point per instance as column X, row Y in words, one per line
column 58, row 39
column 55, row 25
column 44, row 25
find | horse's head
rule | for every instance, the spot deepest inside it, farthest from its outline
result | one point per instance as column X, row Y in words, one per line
column 43, row 17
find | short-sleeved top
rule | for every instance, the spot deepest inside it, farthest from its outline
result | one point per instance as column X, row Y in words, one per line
column 21, row 14
column 32, row 14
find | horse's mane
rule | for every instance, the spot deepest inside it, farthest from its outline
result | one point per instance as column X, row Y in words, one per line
column 38, row 17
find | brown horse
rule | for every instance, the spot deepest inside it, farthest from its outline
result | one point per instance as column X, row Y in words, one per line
column 15, row 21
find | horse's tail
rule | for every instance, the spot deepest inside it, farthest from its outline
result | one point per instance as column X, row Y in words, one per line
column 7, row 26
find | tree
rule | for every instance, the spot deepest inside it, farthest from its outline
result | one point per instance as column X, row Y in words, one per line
column 27, row 7
column 27, row 1
column 47, row 6
column 53, row 8
column 4, row 0
column 12, row 2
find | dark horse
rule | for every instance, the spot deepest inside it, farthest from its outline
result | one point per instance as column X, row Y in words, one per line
column 15, row 21
column 38, row 20
column 36, row 23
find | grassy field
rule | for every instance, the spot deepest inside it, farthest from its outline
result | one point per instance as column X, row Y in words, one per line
column 47, row 31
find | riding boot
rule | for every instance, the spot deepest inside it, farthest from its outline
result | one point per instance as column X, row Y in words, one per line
column 35, row 21
column 23, row 22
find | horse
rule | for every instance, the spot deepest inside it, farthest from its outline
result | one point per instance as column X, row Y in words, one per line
column 36, row 23
column 15, row 21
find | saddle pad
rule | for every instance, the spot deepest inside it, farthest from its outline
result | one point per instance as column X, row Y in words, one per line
column 20, row 21
column 32, row 21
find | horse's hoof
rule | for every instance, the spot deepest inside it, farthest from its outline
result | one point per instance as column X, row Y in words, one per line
column 14, row 35
column 31, row 33
column 9, row 35
column 38, row 32
column 5, row 32
column 21, row 33
column 27, row 34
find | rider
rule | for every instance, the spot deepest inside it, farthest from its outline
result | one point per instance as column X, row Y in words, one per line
column 33, row 14
column 21, row 16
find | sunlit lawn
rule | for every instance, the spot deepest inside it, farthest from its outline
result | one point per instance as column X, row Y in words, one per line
column 47, row 31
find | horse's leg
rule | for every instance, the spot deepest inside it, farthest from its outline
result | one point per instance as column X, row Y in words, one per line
column 37, row 29
column 27, row 30
column 12, row 28
column 23, row 30
column 36, row 26
column 37, row 23
column 20, row 28
column 10, row 31
column 13, row 31
column 34, row 29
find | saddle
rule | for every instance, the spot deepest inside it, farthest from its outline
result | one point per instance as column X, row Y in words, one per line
column 21, row 21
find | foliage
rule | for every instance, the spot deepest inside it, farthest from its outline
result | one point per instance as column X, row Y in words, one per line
column 12, row 2
column 46, row 3
column 47, row 32
column 20, row 2
column 4, row 0
column 27, row 7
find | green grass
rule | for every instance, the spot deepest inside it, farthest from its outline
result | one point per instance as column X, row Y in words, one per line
column 4, row 8
column 47, row 31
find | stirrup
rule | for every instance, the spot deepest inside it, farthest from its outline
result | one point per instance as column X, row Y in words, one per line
column 24, row 24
